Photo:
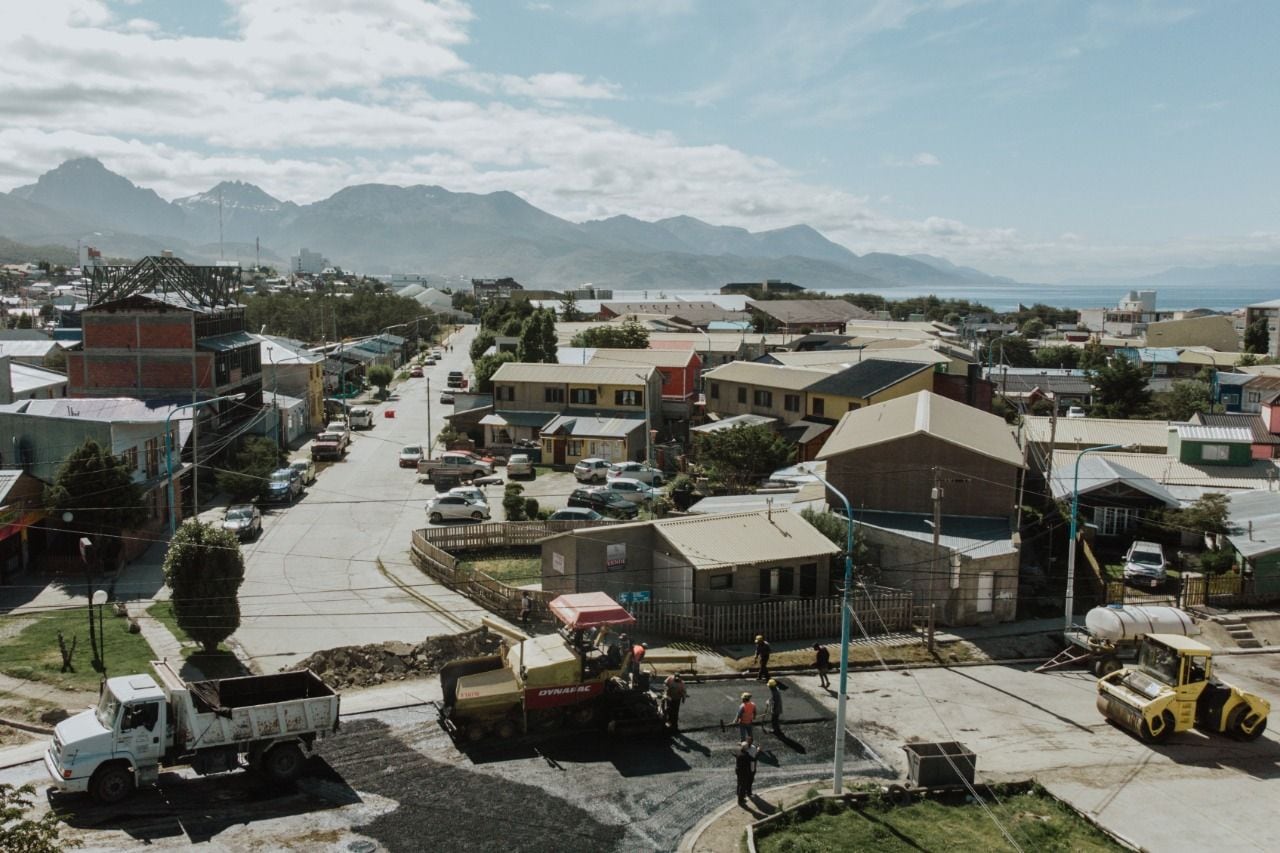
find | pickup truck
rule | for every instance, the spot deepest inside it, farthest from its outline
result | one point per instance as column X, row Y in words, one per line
column 460, row 464
column 142, row 724
column 340, row 427
column 360, row 418
column 329, row 445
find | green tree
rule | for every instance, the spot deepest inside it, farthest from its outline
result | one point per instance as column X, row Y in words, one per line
column 1247, row 359
column 250, row 468
column 104, row 501
column 379, row 376
column 1012, row 351
column 481, row 343
column 203, row 570
column 530, row 348
column 1184, row 399
column 569, row 312
column 18, row 832
column 1119, row 389
column 550, row 340
column 1063, row 356
column 1257, row 337
column 628, row 335
column 1033, row 328
column 1207, row 516
column 742, row 456
column 513, row 506
column 1093, row 356
column 836, row 528
column 486, row 367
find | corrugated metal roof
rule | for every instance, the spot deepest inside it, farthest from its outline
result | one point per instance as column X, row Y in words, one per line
column 867, row 378
column 8, row 478
column 809, row 310
column 1168, row 471
column 1099, row 472
column 1251, row 422
column 781, row 502
column 735, row 421
column 601, row 357
column 1095, row 432
column 741, row 539
column 593, row 427
column 1230, row 434
column 924, row 413
column 1254, row 522
column 25, row 378
column 971, row 537
column 570, row 374
column 766, row 375
column 28, row 349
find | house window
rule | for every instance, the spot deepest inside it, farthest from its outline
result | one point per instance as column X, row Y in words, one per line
column 786, row 580
column 809, row 579
column 791, row 402
column 553, row 395
column 742, row 395
column 628, row 398
column 1253, row 398
column 130, row 458
column 762, row 398
column 819, row 406
column 153, row 457
column 721, row 581
column 1114, row 520
column 715, row 390
column 504, row 392
column 853, row 406
column 1214, row 452
column 574, row 447
column 583, row 396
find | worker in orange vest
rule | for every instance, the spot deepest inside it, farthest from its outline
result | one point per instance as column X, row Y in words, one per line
column 745, row 717
column 637, row 658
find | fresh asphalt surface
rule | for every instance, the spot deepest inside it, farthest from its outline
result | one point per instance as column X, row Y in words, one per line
column 312, row 579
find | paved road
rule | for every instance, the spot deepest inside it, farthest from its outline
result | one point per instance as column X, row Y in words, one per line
column 313, row 579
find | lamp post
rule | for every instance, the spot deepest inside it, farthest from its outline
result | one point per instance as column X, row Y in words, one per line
column 837, row 775
column 275, row 400
column 100, row 598
column 644, row 398
column 168, row 449
column 1071, row 544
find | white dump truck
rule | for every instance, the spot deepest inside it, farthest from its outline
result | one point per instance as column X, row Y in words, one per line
column 143, row 724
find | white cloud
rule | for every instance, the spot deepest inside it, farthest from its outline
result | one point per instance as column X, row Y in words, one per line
column 558, row 86
column 923, row 158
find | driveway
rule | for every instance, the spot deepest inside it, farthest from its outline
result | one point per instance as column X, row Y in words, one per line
column 325, row 571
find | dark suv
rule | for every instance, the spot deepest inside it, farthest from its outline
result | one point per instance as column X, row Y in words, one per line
column 604, row 502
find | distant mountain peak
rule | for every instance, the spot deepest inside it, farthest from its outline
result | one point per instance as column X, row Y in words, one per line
column 239, row 194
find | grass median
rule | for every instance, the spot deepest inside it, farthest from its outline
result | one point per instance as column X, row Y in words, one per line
column 32, row 653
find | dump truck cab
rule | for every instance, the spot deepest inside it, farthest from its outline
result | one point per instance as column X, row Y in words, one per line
column 1171, row 688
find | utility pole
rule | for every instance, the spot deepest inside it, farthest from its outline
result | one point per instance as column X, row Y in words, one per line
column 936, row 496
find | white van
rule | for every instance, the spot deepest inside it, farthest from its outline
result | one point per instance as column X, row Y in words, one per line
column 360, row 418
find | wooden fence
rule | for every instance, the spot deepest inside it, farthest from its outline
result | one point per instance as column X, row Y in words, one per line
column 878, row 609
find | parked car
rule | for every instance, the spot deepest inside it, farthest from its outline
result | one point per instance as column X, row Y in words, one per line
column 1145, row 565
column 636, row 471
column 576, row 513
column 243, row 520
column 455, row 506
column 1075, row 412
column 360, row 417
column 603, row 501
column 410, row 455
column 632, row 490
column 446, row 398
column 415, row 372
column 591, row 470
column 284, row 485
column 306, row 469
column 429, row 360
column 519, row 465
column 455, row 379
column 474, row 494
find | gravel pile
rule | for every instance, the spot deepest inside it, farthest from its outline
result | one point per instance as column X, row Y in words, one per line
column 364, row 666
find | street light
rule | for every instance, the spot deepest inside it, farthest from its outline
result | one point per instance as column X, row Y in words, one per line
column 100, row 598
column 1071, row 545
column 837, row 776
column 644, row 398
column 168, row 449
column 275, row 400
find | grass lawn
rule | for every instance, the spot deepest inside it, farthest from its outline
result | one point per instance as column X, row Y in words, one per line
column 514, row 568
column 222, row 663
column 1036, row 821
column 32, row 653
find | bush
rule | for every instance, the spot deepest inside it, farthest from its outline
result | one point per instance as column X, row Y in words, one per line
column 512, row 504
column 1215, row 561
column 530, row 507
column 249, row 469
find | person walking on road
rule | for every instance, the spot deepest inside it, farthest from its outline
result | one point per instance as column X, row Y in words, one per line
column 745, row 769
column 822, row 660
column 675, row 694
column 745, row 717
column 775, row 706
column 526, row 607
column 762, row 657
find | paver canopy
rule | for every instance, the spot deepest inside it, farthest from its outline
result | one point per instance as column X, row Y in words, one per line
column 589, row 610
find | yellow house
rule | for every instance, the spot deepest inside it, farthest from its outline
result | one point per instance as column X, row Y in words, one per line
column 865, row 384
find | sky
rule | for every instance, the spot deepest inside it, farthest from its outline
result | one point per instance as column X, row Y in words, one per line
column 1038, row 139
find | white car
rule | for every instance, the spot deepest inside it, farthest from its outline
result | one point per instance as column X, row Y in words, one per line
column 455, row 506
column 410, row 455
column 1075, row 412
column 1145, row 565
column 632, row 490
column 471, row 493
column 591, row 470
column 636, row 471
column 519, row 465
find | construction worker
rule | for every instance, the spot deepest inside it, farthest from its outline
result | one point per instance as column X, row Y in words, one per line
column 775, row 705
column 822, row 660
column 745, row 769
column 745, row 717
column 637, row 658
column 675, row 693
column 762, row 657
column 526, row 607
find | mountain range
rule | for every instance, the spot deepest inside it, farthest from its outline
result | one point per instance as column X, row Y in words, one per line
column 378, row 228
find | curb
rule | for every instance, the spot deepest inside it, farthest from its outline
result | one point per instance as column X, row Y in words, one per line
column 26, row 727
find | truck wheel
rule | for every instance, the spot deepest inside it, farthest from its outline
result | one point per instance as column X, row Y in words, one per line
column 1162, row 733
column 283, row 763
column 436, row 518
column 111, row 784
column 1240, row 721
column 1106, row 666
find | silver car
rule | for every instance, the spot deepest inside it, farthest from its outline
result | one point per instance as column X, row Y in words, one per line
column 455, row 507
column 519, row 465
column 471, row 493
column 636, row 471
column 591, row 470
column 632, row 490
column 244, row 520
column 1145, row 565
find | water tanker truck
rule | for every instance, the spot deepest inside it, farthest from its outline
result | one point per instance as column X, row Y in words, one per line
column 1112, row 635
column 1171, row 688
column 143, row 724
column 572, row 678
